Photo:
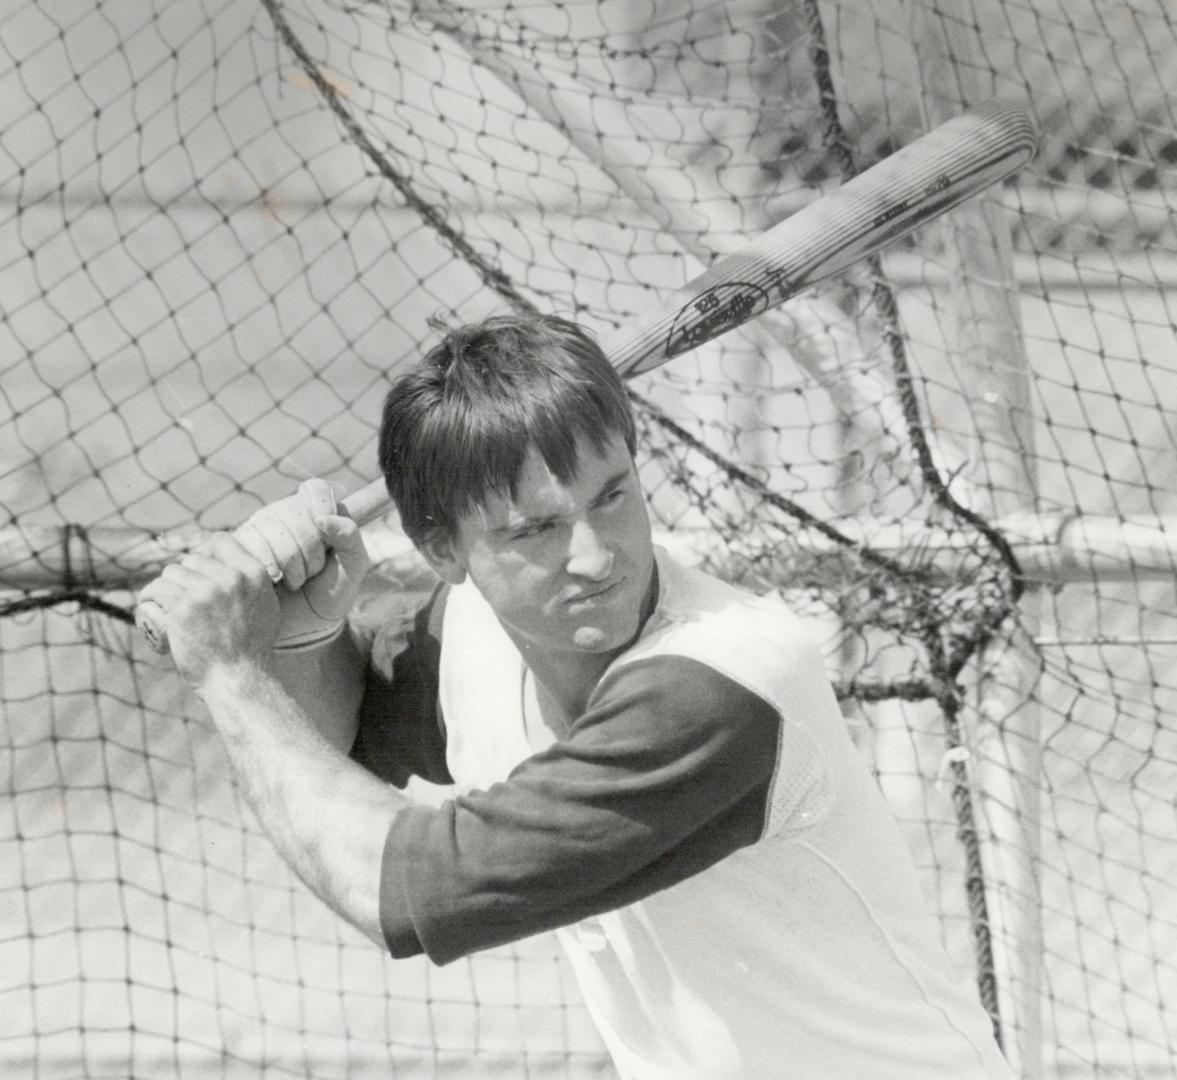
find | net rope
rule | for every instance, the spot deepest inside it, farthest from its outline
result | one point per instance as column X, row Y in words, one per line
column 222, row 230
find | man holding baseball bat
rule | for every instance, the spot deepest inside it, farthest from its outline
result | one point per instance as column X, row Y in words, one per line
column 645, row 759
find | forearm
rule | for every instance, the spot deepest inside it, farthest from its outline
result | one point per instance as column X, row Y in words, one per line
column 327, row 816
column 328, row 685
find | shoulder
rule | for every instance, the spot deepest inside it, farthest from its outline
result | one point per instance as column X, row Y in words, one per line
column 757, row 642
column 675, row 696
column 724, row 682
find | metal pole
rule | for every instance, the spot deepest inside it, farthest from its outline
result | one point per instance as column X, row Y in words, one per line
column 987, row 344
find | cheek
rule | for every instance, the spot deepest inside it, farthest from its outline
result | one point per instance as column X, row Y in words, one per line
column 638, row 539
column 510, row 583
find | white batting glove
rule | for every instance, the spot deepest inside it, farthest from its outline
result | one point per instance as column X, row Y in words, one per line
column 319, row 557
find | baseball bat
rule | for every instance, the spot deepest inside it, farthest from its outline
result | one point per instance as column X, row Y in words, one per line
column 909, row 188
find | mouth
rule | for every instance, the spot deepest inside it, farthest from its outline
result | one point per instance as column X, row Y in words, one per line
column 596, row 595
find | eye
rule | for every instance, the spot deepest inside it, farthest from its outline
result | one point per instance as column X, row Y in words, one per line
column 613, row 496
column 535, row 528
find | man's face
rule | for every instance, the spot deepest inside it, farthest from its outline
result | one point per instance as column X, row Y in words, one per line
column 567, row 568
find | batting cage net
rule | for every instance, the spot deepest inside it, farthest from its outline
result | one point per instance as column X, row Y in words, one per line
column 224, row 226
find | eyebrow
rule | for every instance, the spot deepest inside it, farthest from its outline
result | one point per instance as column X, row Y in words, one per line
column 610, row 482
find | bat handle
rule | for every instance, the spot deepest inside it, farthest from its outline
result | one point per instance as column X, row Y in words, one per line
column 367, row 503
column 362, row 506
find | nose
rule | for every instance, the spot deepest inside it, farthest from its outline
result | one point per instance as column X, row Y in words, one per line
column 588, row 556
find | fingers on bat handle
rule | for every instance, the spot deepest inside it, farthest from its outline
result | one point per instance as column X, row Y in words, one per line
column 362, row 506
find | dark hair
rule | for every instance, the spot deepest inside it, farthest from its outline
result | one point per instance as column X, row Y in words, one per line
column 457, row 427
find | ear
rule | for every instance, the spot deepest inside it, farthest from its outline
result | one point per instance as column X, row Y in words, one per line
column 440, row 552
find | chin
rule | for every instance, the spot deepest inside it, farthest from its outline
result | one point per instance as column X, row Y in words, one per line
column 604, row 637
column 595, row 639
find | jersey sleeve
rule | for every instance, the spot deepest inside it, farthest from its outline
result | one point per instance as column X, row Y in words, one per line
column 401, row 732
column 669, row 771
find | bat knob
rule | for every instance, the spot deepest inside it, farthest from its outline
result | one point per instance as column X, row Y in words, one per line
column 149, row 618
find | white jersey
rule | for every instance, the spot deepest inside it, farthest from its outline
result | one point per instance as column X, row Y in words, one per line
column 728, row 883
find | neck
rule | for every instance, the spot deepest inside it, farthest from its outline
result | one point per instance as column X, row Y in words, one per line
column 566, row 682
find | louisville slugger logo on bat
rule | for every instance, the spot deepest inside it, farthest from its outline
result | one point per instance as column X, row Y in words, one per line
column 718, row 309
